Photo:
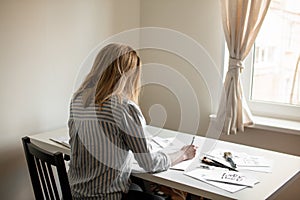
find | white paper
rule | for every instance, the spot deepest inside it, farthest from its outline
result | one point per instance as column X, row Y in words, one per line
column 256, row 169
column 162, row 142
column 231, row 177
column 251, row 161
column 243, row 161
column 199, row 174
column 174, row 146
column 63, row 140
column 182, row 165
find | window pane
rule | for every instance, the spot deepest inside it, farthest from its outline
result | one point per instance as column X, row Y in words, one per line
column 276, row 72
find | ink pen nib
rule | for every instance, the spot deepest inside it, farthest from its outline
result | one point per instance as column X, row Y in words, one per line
column 228, row 157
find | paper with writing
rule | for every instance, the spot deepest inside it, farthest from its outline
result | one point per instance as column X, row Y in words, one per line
column 231, row 177
column 201, row 173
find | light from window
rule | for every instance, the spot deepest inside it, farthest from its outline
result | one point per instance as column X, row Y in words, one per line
column 276, row 71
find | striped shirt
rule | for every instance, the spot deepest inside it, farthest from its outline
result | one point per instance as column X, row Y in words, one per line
column 103, row 144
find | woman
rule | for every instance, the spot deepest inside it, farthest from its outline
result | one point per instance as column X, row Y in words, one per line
column 106, row 128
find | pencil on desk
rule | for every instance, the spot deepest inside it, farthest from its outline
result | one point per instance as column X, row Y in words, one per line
column 60, row 142
column 157, row 143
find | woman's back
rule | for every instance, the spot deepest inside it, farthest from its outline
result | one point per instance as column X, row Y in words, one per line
column 98, row 151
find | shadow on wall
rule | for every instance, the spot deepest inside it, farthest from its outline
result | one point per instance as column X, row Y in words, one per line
column 157, row 109
column 15, row 182
column 174, row 95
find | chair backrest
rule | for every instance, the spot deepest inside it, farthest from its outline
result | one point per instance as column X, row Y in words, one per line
column 41, row 164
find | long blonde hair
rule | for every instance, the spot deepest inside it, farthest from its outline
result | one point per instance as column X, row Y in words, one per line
column 116, row 72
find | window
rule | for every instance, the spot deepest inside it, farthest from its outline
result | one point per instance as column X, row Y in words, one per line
column 272, row 75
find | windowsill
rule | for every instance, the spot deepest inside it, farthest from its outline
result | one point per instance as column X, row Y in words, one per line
column 278, row 125
column 272, row 124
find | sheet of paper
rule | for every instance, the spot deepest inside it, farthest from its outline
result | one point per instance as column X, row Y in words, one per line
column 63, row 140
column 162, row 142
column 231, row 177
column 199, row 174
column 256, row 169
column 182, row 165
column 157, row 143
column 244, row 161
column 252, row 161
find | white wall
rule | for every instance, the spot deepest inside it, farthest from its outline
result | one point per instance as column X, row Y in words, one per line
column 44, row 42
column 42, row 46
column 200, row 20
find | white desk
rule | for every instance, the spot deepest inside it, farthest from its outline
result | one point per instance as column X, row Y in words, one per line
column 285, row 167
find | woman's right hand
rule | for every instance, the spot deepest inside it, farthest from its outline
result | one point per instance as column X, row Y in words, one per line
column 188, row 151
column 185, row 153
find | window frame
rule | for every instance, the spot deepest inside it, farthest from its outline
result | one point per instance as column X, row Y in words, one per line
column 260, row 108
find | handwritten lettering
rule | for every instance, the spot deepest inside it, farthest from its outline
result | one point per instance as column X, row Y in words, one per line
column 233, row 177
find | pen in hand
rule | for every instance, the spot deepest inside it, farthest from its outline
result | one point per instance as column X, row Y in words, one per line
column 193, row 140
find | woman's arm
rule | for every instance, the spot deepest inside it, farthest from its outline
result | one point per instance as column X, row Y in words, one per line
column 135, row 139
column 185, row 153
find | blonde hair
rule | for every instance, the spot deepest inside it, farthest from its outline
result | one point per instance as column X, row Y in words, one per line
column 116, row 72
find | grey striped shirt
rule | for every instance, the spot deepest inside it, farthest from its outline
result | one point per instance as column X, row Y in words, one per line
column 101, row 144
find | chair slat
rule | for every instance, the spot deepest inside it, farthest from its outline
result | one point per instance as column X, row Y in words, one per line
column 31, row 163
column 47, row 180
column 40, row 164
column 42, row 178
column 53, row 183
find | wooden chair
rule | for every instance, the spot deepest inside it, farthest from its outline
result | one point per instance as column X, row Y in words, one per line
column 41, row 164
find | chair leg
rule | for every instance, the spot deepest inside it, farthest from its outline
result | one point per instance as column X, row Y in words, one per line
column 188, row 197
column 140, row 182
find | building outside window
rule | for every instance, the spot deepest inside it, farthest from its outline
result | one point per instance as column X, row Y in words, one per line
column 272, row 80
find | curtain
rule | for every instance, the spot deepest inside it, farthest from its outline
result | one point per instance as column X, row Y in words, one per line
column 241, row 20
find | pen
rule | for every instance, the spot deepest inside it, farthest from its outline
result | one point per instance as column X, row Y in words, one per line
column 157, row 143
column 208, row 167
column 61, row 143
column 203, row 167
column 193, row 140
column 228, row 158
column 215, row 163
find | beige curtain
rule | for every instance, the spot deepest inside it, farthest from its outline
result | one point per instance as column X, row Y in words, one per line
column 242, row 20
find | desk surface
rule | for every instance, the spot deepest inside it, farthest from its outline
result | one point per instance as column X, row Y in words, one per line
column 285, row 167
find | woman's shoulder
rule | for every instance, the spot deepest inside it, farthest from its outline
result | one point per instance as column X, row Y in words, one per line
column 121, row 104
column 123, row 109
